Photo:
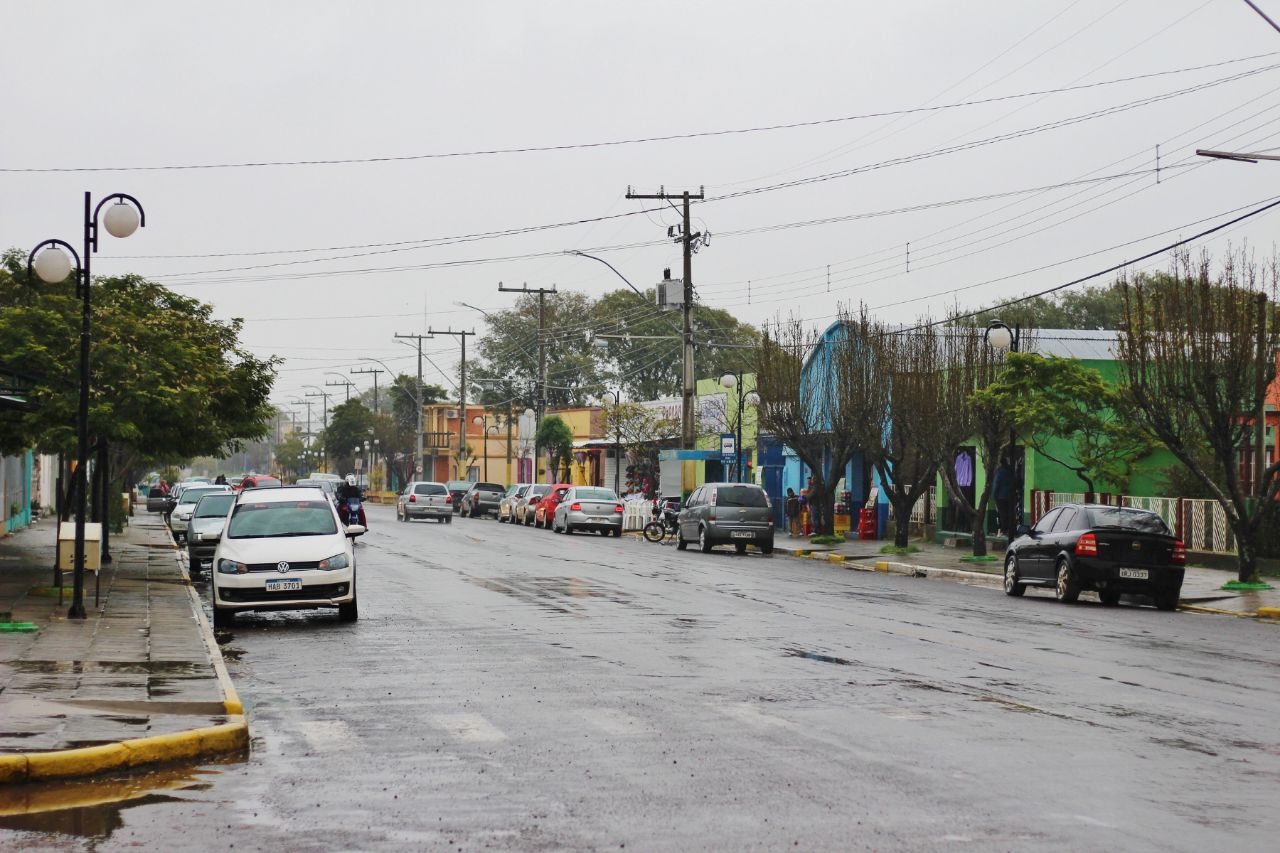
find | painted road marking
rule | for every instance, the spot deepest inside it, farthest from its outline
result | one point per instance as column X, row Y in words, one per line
column 326, row 735
column 748, row 712
column 469, row 727
column 615, row 722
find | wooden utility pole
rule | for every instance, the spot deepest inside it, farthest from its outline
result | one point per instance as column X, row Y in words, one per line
column 462, row 401
column 540, row 397
column 375, row 371
column 343, row 384
column 689, row 243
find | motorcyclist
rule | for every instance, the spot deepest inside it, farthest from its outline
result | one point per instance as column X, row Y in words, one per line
column 346, row 492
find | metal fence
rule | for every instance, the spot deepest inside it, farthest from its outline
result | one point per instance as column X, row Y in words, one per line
column 1200, row 523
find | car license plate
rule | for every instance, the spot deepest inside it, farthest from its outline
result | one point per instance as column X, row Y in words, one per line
column 1134, row 574
column 743, row 534
column 597, row 519
column 284, row 585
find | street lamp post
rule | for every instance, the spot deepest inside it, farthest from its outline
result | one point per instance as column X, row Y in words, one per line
column 617, row 442
column 732, row 380
column 1003, row 339
column 482, row 421
column 53, row 266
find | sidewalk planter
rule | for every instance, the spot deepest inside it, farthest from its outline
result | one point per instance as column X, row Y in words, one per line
column 67, row 546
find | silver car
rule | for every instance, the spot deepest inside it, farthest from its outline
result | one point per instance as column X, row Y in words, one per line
column 507, row 506
column 205, row 529
column 528, row 502
column 422, row 499
column 737, row 514
column 588, row 508
column 186, row 505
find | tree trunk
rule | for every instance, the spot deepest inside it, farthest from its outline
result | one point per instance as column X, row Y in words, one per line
column 901, row 519
column 1246, row 549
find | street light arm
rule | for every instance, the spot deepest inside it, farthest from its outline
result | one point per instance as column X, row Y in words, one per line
column 142, row 214
column 54, row 242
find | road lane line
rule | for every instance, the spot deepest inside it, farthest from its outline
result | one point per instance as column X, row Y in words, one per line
column 327, row 735
column 470, row 727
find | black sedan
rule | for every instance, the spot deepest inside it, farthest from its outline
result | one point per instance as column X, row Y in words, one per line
column 1112, row 550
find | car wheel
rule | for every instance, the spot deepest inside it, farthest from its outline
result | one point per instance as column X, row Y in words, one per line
column 681, row 545
column 740, row 547
column 1067, row 590
column 193, row 564
column 1167, row 600
column 1011, row 585
column 767, row 548
column 222, row 618
column 1109, row 597
column 704, row 544
column 448, row 519
column 617, row 533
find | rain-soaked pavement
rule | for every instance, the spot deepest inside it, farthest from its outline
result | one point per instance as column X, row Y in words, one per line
column 509, row 688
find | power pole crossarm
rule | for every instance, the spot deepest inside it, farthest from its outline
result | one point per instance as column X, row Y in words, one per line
column 417, row 401
column 462, row 396
column 375, row 371
column 540, row 400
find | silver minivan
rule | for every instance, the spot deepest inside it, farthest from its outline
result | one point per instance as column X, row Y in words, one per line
column 737, row 514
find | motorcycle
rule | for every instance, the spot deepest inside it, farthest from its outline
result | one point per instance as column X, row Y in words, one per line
column 664, row 523
column 352, row 511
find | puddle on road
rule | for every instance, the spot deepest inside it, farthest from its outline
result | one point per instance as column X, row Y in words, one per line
column 558, row 594
column 93, row 808
column 808, row 655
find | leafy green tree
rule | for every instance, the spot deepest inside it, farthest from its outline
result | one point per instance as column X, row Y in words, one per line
column 555, row 439
column 650, row 369
column 1052, row 398
column 1100, row 307
column 350, row 426
column 169, row 382
column 289, row 454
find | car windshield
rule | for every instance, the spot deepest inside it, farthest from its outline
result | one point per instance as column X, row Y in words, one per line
column 488, row 487
column 282, row 518
column 740, row 496
column 193, row 496
column 459, row 485
column 215, row 505
column 595, row 495
column 429, row 489
column 540, row 489
column 1119, row 518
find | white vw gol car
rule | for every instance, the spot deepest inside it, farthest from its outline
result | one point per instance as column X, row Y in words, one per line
column 284, row 549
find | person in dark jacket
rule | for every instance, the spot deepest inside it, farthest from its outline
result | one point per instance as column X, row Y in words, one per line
column 791, row 507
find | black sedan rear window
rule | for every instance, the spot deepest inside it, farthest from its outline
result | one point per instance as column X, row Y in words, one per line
column 1120, row 518
column 740, row 496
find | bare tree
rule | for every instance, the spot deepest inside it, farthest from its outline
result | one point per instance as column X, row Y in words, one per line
column 1198, row 356
column 641, row 431
column 970, row 365
column 821, row 397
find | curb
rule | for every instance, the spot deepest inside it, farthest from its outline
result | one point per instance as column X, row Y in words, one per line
column 231, row 736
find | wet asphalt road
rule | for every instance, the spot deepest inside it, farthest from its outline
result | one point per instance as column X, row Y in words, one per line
column 510, row 688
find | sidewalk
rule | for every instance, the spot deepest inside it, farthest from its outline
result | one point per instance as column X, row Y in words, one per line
column 139, row 681
column 1201, row 587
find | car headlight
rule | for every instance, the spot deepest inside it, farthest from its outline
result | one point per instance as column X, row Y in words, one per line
column 231, row 567
column 337, row 561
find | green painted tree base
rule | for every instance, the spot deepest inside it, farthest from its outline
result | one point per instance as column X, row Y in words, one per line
column 826, row 540
column 44, row 591
column 985, row 558
column 17, row 627
column 894, row 549
column 1237, row 585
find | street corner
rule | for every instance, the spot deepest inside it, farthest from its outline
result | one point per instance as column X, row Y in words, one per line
column 1269, row 613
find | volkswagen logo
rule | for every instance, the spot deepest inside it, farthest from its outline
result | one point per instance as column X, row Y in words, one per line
column 282, row 567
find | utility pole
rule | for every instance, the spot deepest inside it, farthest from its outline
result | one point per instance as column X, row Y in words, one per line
column 324, row 408
column 375, row 371
column 417, row 401
column 349, row 386
column 462, row 394
column 690, row 243
column 540, row 397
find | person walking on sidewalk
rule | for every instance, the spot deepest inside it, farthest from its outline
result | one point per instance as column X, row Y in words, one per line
column 792, row 510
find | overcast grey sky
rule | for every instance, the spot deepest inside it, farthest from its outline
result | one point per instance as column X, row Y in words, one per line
column 145, row 84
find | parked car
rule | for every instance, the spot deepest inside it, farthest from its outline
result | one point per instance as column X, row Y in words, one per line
column 421, row 499
column 588, row 508
column 260, row 481
column 529, row 502
column 457, row 488
column 737, row 514
column 284, row 549
column 1112, row 550
column 545, row 510
column 330, row 487
column 205, row 529
column 186, row 505
column 157, row 501
column 480, row 500
column 507, row 506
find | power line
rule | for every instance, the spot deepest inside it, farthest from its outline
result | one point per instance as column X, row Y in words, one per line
column 530, row 149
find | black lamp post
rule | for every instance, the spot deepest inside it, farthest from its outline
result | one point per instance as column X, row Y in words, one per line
column 733, row 380
column 1004, row 339
column 617, row 442
column 53, row 266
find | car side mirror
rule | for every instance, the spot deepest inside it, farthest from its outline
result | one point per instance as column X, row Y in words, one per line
column 1022, row 530
column 534, row 499
column 355, row 530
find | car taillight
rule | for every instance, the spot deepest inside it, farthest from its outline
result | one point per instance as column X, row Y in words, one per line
column 413, row 499
column 1087, row 545
column 448, row 499
column 576, row 507
column 619, row 508
column 1179, row 552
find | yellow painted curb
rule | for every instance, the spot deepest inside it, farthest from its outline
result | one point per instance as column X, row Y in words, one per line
column 13, row 768
column 1269, row 612
column 882, row 566
column 835, row 558
column 1216, row 611
column 76, row 762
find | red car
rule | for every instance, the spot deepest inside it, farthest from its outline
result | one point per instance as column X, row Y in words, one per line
column 259, row 481
column 547, row 506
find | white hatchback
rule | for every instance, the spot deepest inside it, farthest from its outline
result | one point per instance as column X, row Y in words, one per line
column 284, row 549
